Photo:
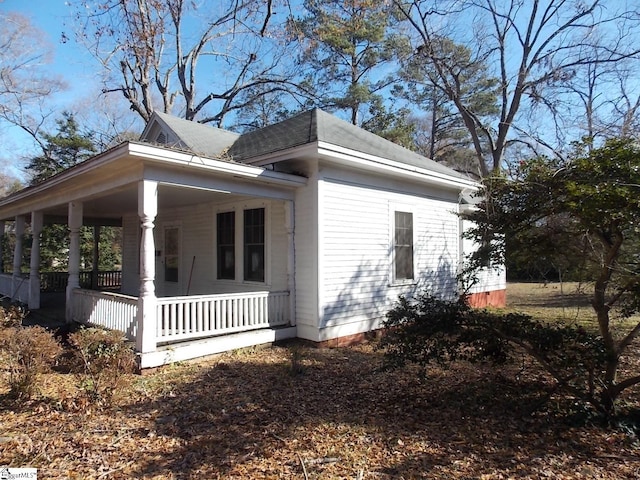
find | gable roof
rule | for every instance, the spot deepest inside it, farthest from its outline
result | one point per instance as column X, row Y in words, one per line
column 196, row 137
column 313, row 126
column 319, row 126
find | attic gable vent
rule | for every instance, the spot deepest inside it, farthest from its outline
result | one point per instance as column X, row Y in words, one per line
column 162, row 138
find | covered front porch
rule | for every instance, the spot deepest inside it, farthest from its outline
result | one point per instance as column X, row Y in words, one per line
column 186, row 290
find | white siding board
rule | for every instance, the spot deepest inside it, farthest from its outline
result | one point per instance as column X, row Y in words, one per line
column 356, row 242
column 489, row 279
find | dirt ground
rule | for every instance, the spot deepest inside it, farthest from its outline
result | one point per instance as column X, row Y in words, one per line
column 247, row 415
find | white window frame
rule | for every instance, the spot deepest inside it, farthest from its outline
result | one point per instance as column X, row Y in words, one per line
column 238, row 210
column 404, row 208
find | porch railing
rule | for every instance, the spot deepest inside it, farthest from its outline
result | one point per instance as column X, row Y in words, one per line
column 17, row 290
column 184, row 318
column 106, row 309
column 57, row 281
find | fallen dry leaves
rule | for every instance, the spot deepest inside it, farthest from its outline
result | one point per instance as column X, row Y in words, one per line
column 244, row 415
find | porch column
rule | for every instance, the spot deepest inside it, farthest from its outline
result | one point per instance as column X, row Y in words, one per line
column 34, row 265
column 96, row 257
column 17, row 256
column 75, row 223
column 2, row 228
column 289, row 225
column 146, row 318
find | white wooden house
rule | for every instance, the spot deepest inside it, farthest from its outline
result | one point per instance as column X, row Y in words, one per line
column 308, row 228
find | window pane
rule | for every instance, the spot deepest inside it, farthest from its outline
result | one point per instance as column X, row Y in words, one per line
column 404, row 263
column 171, row 254
column 254, row 245
column 403, row 245
column 171, row 269
column 226, row 226
column 171, row 241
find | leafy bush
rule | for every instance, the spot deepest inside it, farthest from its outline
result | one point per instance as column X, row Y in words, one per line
column 431, row 330
column 104, row 360
column 27, row 352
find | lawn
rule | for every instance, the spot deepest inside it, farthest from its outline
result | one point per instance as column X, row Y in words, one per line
column 247, row 415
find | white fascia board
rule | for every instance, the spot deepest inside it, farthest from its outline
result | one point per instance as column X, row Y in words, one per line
column 308, row 150
column 372, row 162
column 75, row 171
column 153, row 153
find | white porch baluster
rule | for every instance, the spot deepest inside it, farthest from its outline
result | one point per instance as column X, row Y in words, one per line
column 147, row 315
column 75, row 223
column 17, row 255
column 34, row 266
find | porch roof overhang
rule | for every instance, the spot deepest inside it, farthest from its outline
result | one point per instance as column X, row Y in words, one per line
column 346, row 157
column 107, row 184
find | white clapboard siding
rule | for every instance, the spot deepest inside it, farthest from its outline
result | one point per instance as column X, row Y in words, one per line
column 488, row 279
column 356, row 249
column 130, row 254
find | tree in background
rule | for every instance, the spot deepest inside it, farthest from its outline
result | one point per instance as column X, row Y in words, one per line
column 8, row 184
column 25, row 85
column 591, row 204
column 447, row 138
column 532, row 48
column 155, row 52
column 69, row 146
column 60, row 151
column 345, row 48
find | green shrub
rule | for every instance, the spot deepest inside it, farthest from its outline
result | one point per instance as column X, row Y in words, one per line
column 104, row 361
column 430, row 330
column 27, row 352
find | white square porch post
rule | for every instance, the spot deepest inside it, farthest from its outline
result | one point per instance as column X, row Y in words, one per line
column 75, row 224
column 146, row 318
column 289, row 224
column 17, row 257
column 34, row 265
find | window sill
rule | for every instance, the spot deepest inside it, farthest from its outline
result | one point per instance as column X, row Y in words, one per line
column 403, row 283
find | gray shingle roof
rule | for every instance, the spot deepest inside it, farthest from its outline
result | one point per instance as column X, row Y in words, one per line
column 199, row 138
column 308, row 127
column 317, row 125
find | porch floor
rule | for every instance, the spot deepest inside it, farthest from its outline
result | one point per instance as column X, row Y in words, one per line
column 51, row 313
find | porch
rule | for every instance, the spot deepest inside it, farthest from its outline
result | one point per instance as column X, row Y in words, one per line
column 207, row 250
column 187, row 327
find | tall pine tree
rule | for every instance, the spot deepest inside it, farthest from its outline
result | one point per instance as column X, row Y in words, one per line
column 61, row 150
column 64, row 149
column 345, row 46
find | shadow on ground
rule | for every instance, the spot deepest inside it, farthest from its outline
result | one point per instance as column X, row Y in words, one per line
column 237, row 418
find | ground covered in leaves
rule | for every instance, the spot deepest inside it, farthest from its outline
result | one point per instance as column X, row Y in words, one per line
column 297, row 412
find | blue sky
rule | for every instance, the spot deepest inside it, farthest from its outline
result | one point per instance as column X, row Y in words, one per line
column 50, row 16
column 70, row 62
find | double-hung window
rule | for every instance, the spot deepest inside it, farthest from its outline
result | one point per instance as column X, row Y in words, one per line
column 403, row 246
column 250, row 235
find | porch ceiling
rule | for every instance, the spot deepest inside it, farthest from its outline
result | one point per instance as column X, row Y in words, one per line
column 123, row 201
